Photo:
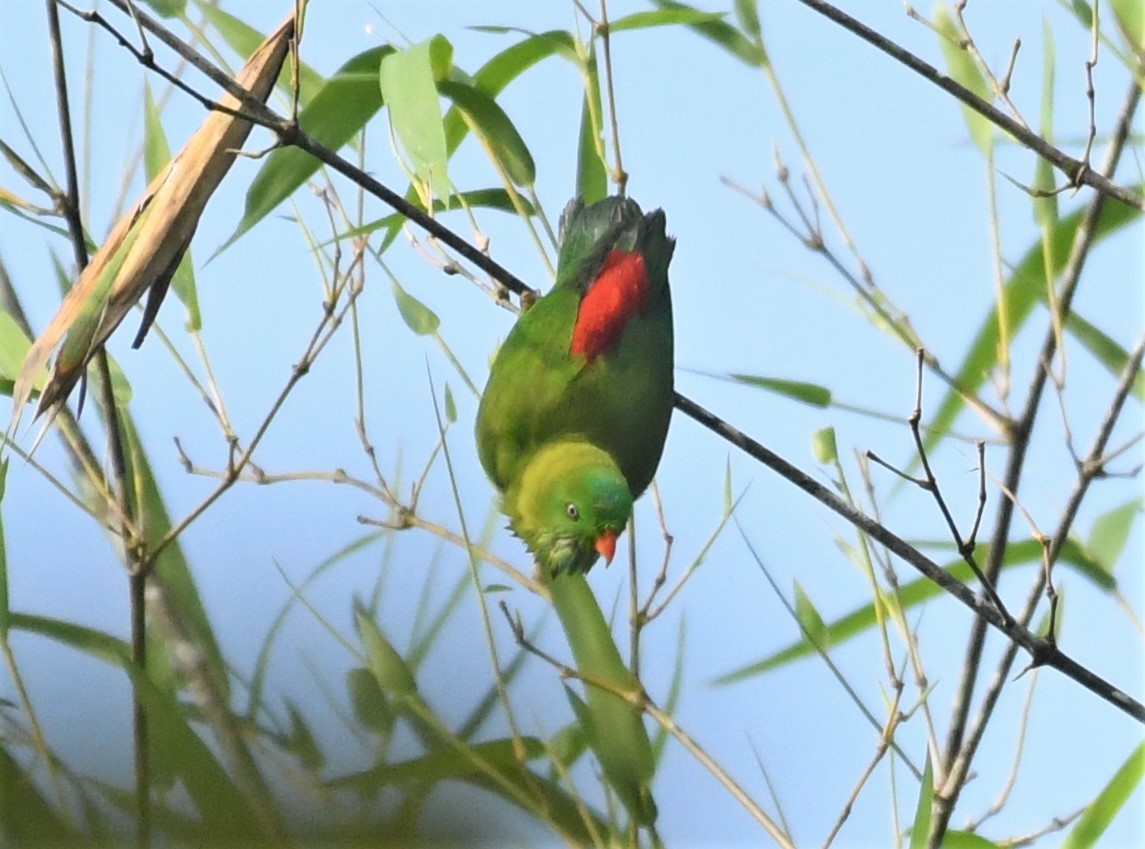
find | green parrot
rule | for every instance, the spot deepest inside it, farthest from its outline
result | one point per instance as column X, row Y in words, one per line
column 573, row 419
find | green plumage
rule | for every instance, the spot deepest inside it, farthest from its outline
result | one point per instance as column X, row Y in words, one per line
column 618, row 401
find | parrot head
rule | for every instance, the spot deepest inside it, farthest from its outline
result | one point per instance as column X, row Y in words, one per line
column 569, row 505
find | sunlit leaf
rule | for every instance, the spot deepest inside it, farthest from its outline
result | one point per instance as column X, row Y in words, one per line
column 1110, row 533
column 408, row 88
column 1130, row 15
column 810, row 622
column 14, row 347
column 961, row 66
column 808, row 393
column 495, row 130
column 340, row 109
column 1025, row 288
column 916, row 592
column 244, row 39
column 418, row 317
column 920, row 830
column 823, row 446
column 667, row 16
column 723, row 34
column 591, row 172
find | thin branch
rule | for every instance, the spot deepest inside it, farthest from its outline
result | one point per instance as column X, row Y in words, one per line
column 955, row 753
column 1040, row 649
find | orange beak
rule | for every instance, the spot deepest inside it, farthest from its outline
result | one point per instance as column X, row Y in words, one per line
column 606, row 545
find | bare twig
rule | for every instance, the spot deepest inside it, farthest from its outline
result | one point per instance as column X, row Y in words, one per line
column 1077, row 171
column 956, row 756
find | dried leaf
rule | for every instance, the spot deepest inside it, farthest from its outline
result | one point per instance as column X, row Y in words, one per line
column 144, row 248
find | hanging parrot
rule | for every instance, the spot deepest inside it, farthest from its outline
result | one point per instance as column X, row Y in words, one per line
column 573, row 419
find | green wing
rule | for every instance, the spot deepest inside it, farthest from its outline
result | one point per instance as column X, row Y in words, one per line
column 621, row 402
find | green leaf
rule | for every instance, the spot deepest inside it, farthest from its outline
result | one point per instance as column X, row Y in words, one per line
column 1083, row 12
column 382, row 659
column 954, row 839
column 747, row 11
column 1097, row 817
column 725, row 35
column 914, row 593
column 1025, row 288
column 808, row 393
column 496, row 131
column 1130, row 15
column 371, row 709
column 27, row 817
column 446, row 764
column 615, row 727
column 1104, row 349
column 245, row 39
column 407, row 85
column 962, row 69
column 921, row 828
column 1046, row 208
column 168, row 8
column 14, row 347
column 1110, row 533
column 5, row 611
column 340, row 109
column 450, row 405
column 823, row 446
column 810, row 622
column 665, row 17
column 591, row 169
column 418, row 317
column 505, row 67
column 497, row 199
column 301, row 741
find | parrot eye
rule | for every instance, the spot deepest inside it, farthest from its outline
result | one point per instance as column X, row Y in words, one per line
column 573, row 511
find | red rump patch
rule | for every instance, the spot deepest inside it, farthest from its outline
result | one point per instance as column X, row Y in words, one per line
column 619, row 291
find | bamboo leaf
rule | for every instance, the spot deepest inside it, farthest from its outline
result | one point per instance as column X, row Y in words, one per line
column 1025, row 288
column 496, row 131
column 920, row 830
column 408, row 88
column 962, row 69
column 668, row 16
column 914, row 593
column 808, row 393
column 418, row 317
column 1110, row 533
column 339, row 109
column 723, row 34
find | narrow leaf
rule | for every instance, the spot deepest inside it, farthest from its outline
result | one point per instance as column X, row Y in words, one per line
column 962, row 69
column 418, row 317
column 725, row 35
column 407, row 85
column 921, row 828
column 1110, row 533
column 808, row 393
column 810, row 622
column 338, row 110
column 1025, row 288
column 496, row 131
column 823, row 446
